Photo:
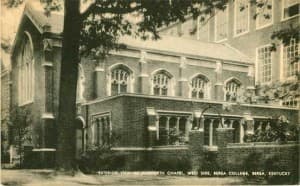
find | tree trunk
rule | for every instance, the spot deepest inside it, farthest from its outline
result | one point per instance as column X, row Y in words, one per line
column 65, row 156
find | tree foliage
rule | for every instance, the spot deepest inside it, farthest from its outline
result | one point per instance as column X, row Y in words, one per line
column 105, row 21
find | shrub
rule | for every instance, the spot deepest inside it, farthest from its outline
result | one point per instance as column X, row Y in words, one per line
column 280, row 130
column 253, row 162
column 174, row 163
column 209, row 162
column 275, row 164
column 101, row 158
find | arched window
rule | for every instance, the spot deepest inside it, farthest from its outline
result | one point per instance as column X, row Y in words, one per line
column 26, row 70
column 120, row 80
column 199, row 87
column 161, row 83
column 232, row 88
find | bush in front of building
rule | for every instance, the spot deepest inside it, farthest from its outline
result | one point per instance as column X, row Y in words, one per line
column 280, row 130
column 209, row 162
column 275, row 164
column 102, row 158
column 174, row 163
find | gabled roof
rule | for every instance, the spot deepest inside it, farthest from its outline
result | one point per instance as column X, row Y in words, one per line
column 53, row 23
column 189, row 47
column 181, row 46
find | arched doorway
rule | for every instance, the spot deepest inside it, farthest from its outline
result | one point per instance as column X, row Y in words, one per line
column 80, row 133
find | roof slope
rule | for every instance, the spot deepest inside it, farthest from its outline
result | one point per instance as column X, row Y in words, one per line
column 54, row 24
column 188, row 47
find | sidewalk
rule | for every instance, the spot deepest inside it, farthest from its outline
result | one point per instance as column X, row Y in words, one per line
column 50, row 177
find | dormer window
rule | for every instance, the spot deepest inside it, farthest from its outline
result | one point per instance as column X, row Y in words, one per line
column 26, row 71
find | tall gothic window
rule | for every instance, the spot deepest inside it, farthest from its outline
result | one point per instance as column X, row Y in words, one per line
column 199, row 87
column 26, row 71
column 120, row 78
column 161, row 83
column 232, row 89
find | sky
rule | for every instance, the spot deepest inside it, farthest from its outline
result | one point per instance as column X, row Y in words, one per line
column 10, row 19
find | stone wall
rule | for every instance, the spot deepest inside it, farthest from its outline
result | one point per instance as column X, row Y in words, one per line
column 242, row 157
column 130, row 119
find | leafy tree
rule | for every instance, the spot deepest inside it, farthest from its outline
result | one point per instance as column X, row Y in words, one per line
column 95, row 31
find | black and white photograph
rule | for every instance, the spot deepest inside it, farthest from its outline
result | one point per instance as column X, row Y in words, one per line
column 150, row 92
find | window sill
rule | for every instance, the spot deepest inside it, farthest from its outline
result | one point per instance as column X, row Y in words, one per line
column 265, row 83
column 25, row 103
column 264, row 26
column 240, row 34
column 170, row 147
column 290, row 79
column 212, row 148
column 221, row 40
column 288, row 18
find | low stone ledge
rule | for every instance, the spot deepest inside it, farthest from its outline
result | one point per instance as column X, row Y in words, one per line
column 154, row 148
column 196, row 131
column 224, row 129
column 210, row 148
column 261, row 145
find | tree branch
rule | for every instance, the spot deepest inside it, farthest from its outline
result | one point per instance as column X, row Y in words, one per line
column 94, row 8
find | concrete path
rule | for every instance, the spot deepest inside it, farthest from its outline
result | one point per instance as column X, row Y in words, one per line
column 50, row 177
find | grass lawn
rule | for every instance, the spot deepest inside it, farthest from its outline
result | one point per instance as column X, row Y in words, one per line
column 50, row 177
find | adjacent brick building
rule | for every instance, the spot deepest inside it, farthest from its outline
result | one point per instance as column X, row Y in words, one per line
column 150, row 95
column 248, row 28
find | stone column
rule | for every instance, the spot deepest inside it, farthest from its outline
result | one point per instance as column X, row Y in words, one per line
column 259, row 127
column 108, row 128
column 143, row 78
column 177, row 125
column 84, row 141
column 219, row 93
column 100, row 81
column 183, row 88
column 231, row 123
column 48, row 129
column 187, row 128
column 201, row 126
column 210, row 142
column 241, row 132
column 251, row 81
column 157, row 127
column 168, row 128
column 152, row 121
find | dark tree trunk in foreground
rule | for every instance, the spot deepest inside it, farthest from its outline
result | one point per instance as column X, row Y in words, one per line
column 65, row 157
